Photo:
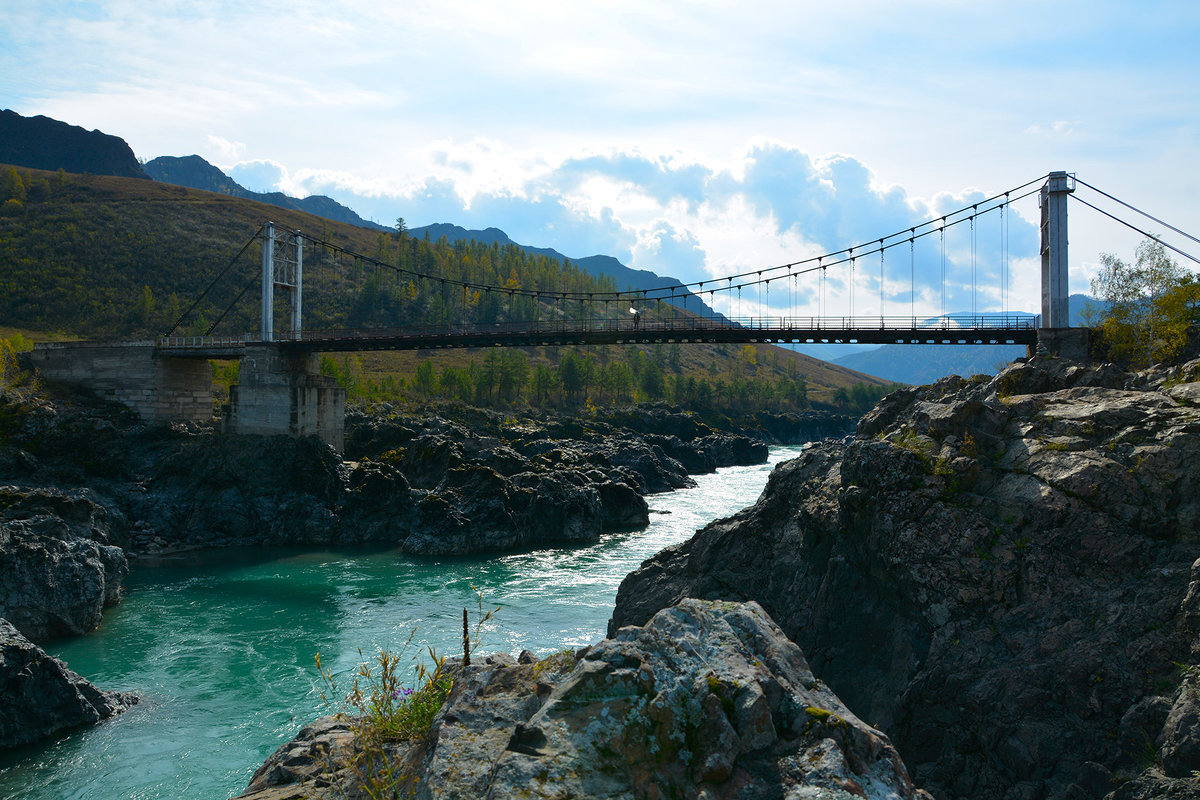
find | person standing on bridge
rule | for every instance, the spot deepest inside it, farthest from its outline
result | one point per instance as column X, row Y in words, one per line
column 637, row 317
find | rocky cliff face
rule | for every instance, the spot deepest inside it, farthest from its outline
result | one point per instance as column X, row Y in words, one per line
column 999, row 573
column 476, row 482
column 708, row 700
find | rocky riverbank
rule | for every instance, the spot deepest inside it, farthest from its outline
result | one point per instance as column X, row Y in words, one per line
column 85, row 487
column 1000, row 573
column 465, row 481
column 707, row 700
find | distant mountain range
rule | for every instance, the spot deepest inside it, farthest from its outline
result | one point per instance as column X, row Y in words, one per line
column 626, row 277
column 196, row 173
column 924, row 363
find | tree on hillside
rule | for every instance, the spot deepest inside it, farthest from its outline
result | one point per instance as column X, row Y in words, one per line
column 570, row 375
column 423, row 380
column 1150, row 304
column 11, row 186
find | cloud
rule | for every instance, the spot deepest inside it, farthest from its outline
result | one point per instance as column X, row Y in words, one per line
column 1056, row 129
column 771, row 204
column 260, row 176
column 225, row 151
column 669, row 251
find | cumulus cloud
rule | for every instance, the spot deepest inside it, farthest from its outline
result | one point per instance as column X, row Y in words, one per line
column 223, row 150
column 669, row 251
column 261, row 176
column 770, row 204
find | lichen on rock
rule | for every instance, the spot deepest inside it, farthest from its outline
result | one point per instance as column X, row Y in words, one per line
column 708, row 699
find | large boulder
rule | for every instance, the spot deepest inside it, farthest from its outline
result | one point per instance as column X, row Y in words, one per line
column 708, row 700
column 58, row 570
column 993, row 571
column 42, row 696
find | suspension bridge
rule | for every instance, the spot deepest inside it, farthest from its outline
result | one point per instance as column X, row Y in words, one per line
column 588, row 318
column 860, row 295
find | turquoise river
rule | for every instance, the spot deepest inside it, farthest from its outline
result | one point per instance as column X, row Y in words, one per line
column 220, row 647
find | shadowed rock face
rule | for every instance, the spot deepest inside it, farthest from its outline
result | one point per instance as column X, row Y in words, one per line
column 998, row 573
column 480, row 482
column 43, row 697
column 58, row 570
column 707, row 700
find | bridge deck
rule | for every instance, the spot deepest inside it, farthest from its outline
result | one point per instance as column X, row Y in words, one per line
column 991, row 329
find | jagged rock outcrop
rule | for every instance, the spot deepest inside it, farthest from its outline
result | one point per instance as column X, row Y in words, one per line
column 469, row 482
column 58, row 569
column 995, row 572
column 216, row 491
column 42, row 696
column 485, row 482
column 707, row 700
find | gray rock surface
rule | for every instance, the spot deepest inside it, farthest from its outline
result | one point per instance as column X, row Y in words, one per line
column 58, row 570
column 42, row 696
column 708, row 700
column 997, row 572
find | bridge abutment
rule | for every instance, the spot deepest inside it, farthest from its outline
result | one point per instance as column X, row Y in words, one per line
column 282, row 392
column 135, row 374
column 1072, row 343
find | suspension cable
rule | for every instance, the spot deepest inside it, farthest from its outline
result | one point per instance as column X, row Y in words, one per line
column 1138, row 210
column 229, row 307
column 1168, row 245
column 213, row 283
column 864, row 250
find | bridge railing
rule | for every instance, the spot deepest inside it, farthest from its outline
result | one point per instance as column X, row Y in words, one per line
column 201, row 342
column 682, row 325
column 634, row 327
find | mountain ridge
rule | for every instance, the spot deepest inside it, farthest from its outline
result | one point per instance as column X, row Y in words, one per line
column 50, row 144
column 194, row 172
column 626, row 277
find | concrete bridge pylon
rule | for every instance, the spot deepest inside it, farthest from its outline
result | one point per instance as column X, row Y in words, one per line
column 282, row 392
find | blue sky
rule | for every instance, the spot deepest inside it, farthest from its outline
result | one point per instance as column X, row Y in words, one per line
column 695, row 139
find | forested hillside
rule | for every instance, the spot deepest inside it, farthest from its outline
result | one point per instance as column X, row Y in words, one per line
column 119, row 258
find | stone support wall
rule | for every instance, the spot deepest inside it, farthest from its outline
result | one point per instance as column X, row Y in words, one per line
column 158, row 388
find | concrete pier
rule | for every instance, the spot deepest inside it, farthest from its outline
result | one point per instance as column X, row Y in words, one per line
column 1072, row 343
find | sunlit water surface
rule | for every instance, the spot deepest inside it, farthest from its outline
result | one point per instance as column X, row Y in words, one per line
column 221, row 647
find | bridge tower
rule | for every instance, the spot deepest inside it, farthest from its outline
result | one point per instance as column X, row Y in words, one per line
column 283, row 267
column 1056, row 312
